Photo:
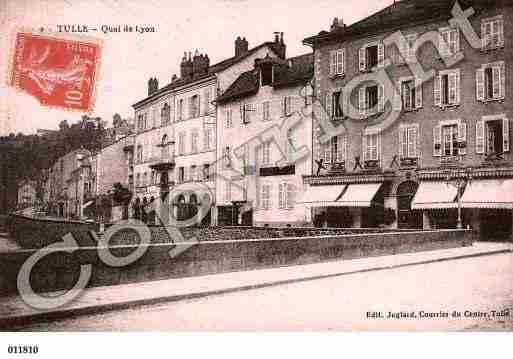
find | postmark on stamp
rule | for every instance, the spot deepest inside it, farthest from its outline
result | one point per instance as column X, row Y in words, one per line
column 59, row 72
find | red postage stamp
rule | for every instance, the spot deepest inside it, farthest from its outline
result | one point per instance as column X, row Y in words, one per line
column 59, row 72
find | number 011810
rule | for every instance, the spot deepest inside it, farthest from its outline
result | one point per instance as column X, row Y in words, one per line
column 22, row 349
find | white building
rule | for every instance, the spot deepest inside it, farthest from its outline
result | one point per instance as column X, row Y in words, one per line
column 176, row 124
column 260, row 177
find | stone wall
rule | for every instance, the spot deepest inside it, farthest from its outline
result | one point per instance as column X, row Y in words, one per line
column 60, row 270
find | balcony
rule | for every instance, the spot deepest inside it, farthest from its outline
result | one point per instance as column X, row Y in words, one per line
column 337, row 167
column 277, row 171
column 164, row 163
column 408, row 162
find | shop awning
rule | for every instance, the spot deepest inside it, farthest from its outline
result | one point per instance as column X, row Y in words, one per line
column 496, row 193
column 433, row 195
column 359, row 195
column 323, row 196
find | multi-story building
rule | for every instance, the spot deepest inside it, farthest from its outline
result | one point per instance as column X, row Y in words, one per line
column 259, row 174
column 450, row 143
column 64, row 197
column 176, row 124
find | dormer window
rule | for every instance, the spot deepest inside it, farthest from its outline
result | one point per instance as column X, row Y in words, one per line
column 266, row 74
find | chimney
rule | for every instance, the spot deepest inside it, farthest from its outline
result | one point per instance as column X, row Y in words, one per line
column 174, row 78
column 186, row 66
column 153, row 86
column 196, row 63
column 279, row 45
column 241, row 46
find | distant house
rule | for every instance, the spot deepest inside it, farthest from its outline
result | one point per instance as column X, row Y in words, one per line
column 26, row 193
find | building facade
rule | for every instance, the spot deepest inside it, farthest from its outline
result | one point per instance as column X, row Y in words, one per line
column 259, row 172
column 27, row 193
column 451, row 139
column 176, row 128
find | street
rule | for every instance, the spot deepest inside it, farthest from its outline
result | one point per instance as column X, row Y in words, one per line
column 419, row 297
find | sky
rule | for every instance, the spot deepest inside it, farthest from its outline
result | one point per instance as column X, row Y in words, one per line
column 130, row 59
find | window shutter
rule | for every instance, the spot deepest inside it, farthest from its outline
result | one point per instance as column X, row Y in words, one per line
column 398, row 101
column 281, row 193
column 403, row 50
column 437, row 141
column 505, row 135
column 206, row 105
column 341, row 61
column 502, row 82
column 381, row 54
column 443, row 43
column 329, row 105
column 437, row 87
column 485, row 34
column 284, row 106
column 341, row 149
column 480, row 84
column 402, row 131
column 363, row 59
column 455, row 33
column 480, row 136
column 417, row 142
column 496, row 75
column 362, row 100
column 462, row 138
column 500, row 40
column 289, row 203
column 364, row 147
column 381, row 98
column 418, row 93
column 333, row 62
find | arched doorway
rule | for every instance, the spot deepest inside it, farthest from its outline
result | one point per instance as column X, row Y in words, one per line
column 406, row 216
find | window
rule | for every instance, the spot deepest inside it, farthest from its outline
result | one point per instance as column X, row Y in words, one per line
column 246, row 110
column 164, row 147
column 411, row 94
column 371, row 147
column 285, row 196
column 165, row 114
column 408, row 49
column 286, row 106
column 449, row 42
column 371, row 56
column 337, row 62
column 371, row 99
column 206, row 106
column 181, row 143
column 371, row 96
column 139, row 154
column 194, row 141
column 206, row 172
column 227, row 191
column 492, row 33
column 194, row 104
column 334, row 151
column 266, row 113
column 145, row 179
column 138, row 180
column 337, row 110
column 265, row 196
column 408, row 141
column 193, row 173
column 181, row 174
column 226, row 157
column 154, row 115
column 180, row 110
column 492, row 135
column 152, row 179
column 290, row 146
column 266, row 74
column 447, row 88
column 450, row 138
column 207, row 139
column 491, row 82
column 229, row 121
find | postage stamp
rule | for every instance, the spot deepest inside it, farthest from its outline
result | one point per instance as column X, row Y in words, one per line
column 59, row 72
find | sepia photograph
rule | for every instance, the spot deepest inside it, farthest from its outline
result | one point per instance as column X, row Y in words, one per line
column 254, row 166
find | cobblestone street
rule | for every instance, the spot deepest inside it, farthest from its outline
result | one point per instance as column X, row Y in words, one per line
column 471, row 286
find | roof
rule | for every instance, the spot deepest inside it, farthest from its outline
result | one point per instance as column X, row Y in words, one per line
column 406, row 12
column 212, row 70
column 299, row 70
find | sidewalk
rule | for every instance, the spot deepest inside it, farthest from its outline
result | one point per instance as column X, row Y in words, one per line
column 13, row 310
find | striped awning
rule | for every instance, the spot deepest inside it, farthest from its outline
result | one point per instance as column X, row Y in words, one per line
column 323, row 196
column 359, row 195
column 493, row 193
column 434, row 195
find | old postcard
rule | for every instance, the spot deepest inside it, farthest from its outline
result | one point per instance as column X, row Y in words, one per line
column 240, row 165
